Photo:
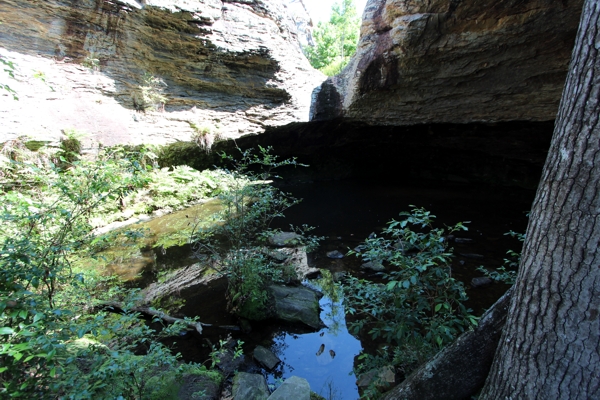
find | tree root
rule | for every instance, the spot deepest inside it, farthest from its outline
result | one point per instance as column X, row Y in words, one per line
column 459, row 370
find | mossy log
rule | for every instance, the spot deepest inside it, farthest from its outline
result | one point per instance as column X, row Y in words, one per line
column 460, row 370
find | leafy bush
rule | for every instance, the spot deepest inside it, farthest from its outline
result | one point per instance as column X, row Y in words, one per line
column 236, row 245
column 47, row 308
column 419, row 307
column 149, row 95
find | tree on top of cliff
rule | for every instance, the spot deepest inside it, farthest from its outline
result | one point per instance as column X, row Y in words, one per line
column 336, row 40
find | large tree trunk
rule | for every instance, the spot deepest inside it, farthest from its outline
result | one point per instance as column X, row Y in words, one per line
column 458, row 371
column 550, row 345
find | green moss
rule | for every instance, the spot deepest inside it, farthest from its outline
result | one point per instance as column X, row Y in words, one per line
column 35, row 145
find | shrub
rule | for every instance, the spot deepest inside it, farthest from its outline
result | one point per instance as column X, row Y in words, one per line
column 419, row 307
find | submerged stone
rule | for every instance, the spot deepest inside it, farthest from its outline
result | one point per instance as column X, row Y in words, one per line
column 335, row 254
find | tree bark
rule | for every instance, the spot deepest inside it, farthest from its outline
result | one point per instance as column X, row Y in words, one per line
column 550, row 345
column 458, row 371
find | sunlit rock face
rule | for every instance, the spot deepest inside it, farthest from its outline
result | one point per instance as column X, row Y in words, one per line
column 233, row 66
column 455, row 61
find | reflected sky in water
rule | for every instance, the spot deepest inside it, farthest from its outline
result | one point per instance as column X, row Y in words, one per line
column 324, row 358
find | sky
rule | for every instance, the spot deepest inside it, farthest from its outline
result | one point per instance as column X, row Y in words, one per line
column 320, row 10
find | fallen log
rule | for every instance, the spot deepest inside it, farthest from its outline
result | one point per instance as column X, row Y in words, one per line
column 155, row 313
column 459, row 370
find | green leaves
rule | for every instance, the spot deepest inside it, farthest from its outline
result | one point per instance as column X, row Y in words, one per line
column 336, row 40
column 420, row 305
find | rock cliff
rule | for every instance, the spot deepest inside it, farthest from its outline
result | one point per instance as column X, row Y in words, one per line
column 153, row 71
column 455, row 61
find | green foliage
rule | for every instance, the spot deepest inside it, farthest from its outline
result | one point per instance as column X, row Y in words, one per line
column 508, row 272
column 419, row 307
column 205, row 136
column 47, row 308
column 149, row 95
column 92, row 62
column 236, row 244
column 70, row 148
column 336, row 40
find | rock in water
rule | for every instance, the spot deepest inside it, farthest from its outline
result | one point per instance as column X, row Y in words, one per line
column 294, row 387
column 335, row 254
column 285, row 239
column 373, row 266
column 481, row 282
column 297, row 304
column 266, row 357
column 249, row 387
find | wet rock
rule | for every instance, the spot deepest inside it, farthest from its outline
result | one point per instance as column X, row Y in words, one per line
column 373, row 266
column 288, row 303
column 227, row 360
column 294, row 387
column 481, row 282
column 277, row 256
column 266, row 357
column 297, row 260
column 285, row 239
column 297, row 304
column 335, row 254
column 249, row 387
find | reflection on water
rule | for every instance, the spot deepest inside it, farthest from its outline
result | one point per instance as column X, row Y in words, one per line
column 324, row 358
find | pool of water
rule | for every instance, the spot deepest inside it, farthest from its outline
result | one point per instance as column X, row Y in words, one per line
column 324, row 358
column 345, row 213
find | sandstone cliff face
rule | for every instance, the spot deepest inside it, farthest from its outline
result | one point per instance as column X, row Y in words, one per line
column 234, row 66
column 455, row 61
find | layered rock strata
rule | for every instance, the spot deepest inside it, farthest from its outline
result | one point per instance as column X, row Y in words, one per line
column 218, row 67
column 455, row 61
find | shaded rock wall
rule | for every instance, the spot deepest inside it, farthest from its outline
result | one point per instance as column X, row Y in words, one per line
column 456, row 61
column 233, row 65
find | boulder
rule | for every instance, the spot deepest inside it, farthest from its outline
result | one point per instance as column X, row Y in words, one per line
column 248, row 386
column 285, row 239
column 335, row 254
column 481, row 281
column 192, row 384
column 297, row 304
column 266, row 357
column 294, row 259
column 294, row 387
column 373, row 266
